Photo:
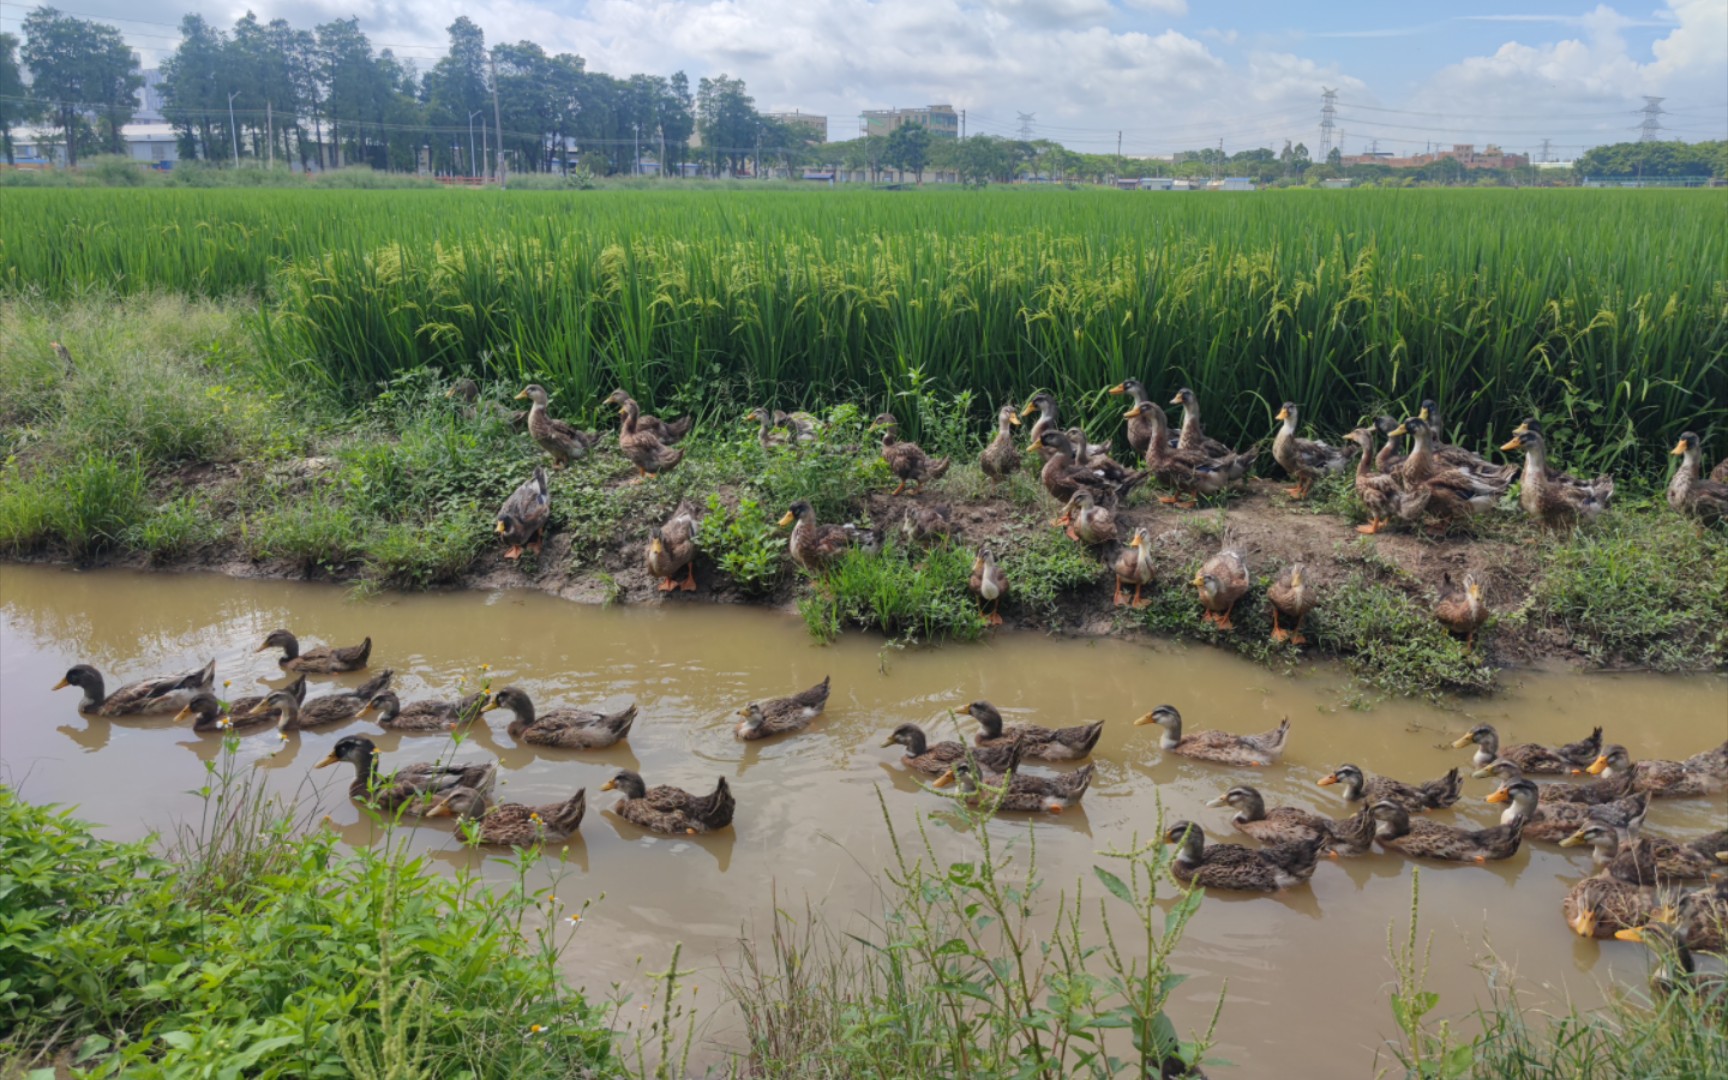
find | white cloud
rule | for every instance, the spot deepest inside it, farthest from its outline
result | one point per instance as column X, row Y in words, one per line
column 1162, row 7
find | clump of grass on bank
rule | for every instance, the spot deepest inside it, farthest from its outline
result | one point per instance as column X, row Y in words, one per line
column 1648, row 589
column 904, row 593
column 289, row 954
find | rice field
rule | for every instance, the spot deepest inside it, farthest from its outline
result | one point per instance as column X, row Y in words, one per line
column 1606, row 313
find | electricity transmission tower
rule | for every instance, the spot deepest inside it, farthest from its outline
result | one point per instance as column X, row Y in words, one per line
column 1026, row 119
column 1328, row 111
column 1651, row 128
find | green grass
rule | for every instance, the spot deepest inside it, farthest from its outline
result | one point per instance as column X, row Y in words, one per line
column 908, row 594
column 1648, row 590
column 1602, row 312
column 81, row 508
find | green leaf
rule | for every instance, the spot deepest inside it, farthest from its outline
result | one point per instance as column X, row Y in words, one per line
column 1114, row 884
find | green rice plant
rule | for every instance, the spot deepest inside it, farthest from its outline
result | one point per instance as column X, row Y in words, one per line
column 906, row 594
column 1601, row 312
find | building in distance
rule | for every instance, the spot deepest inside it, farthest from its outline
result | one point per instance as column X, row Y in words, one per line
column 940, row 120
column 816, row 126
column 1465, row 154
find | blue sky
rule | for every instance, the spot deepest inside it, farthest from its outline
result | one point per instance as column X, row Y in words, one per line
column 1168, row 74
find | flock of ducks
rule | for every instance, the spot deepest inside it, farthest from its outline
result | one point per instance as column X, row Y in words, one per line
column 1641, row 889
column 1434, row 482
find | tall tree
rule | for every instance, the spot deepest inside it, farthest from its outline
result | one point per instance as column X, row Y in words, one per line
column 908, row 149
column 726, row 116
column 12, row 100
column 189, row 87
column 456, row 88
column 79, row 67
column 678, row 119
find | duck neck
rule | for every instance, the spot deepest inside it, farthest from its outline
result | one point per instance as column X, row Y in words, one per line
column 1192, row 849
column 915, row 743
column 290, row 647
column 1353, row 788
column 95, row 692
column 522, row 715
column 1366, row 461
column 1487, row 746
column 1535, row 466
column 1604, row 848
column 288, row 713
column 1172, row 732
column 1253, row 808
column 632, row 412
column 988, row 719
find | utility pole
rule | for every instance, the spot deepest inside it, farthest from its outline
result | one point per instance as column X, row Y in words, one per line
column 1651, row 128
column 234, row 132
column 1328, row 111
column 498, row 121
column 661, row 167
column 962, row 125
column 1026, row 119
column 636, row 162
column 1118, row 144
column 473, row 162
column 1544, row 150
column 269, row 133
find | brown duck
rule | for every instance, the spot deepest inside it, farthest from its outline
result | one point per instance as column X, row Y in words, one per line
column 322, row 660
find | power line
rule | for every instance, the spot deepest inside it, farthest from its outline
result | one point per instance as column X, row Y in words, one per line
column 1651, row 127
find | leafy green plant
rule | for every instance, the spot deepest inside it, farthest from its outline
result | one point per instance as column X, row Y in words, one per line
column 177, row 527
column 1044, row 567
column 746, row 546
column 435, row 552
column 85, row 507
column 314, row 531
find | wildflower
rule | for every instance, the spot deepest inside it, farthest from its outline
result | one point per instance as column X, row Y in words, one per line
column 573, row 919
column 485, row 667
column 535, row 1029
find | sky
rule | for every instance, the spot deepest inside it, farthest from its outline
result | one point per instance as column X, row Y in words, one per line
column 1167, row 74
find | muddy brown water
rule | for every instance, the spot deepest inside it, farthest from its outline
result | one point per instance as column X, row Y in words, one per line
column 1307, row 971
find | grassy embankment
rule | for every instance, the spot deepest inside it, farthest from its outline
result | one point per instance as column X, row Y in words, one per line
column 171, row 442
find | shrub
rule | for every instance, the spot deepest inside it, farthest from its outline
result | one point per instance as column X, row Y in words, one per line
column 927, row 600
column 746, row 546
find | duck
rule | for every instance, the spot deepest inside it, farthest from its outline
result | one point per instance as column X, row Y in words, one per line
column 1291, row 598
column 1191, row 437
column 906, row 460
column 1705, row 501
column 157, row 694
column 801, row 427
column 1460, row 608
column 1049, row 419
column 207, row 712
column 1062, row 476
column 1531, row 423
column 668, row 432
column 989, row 584
column 563, row 441
column 1720, row 473
column 1380, row 493
column 1532, row 759
column 667, row 809
column 768, row 433
column 1451, row 455
column 1553, row 822
column 934, row 759
column 513, row 824
column 1675, row 970
column 334, row 708
column 1389, row 460
column 572, row 729
column 1088, row 522
column 1600, row 906
column 1550, row 501
column 1222, row 581
column 1094, row 455
column 410, row 789
column 1283, row 825
column 467, row 391
column 1001, row 459
column 1133, row 565
column 1430, row 840
column 521, row 521
column 1025, row 794
column 813, row 546
column 1217, row 746
column 671, row 548
column 1649, row 860
column 1704, row 773
column 1188, row 473
column 323, row 660
column 1036, row 743
column 639, row 442
column 1702, row 920
column 1451, row 492
column 780, row 716
column 1306, row 460
column 1436, row 794
column 926, row 524
column 1139, row 424
column 1595, row 793
column 1239, row 868
column 427, row 714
